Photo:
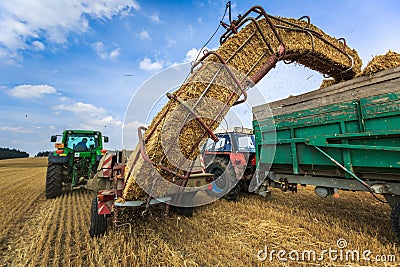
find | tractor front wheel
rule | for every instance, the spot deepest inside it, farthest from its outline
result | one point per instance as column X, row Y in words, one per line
column 224, row 178
column 98, row 222
column 54, row 180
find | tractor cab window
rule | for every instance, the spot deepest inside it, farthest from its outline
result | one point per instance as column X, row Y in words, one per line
column 245, row 143
column 223, row 144
column 82, row 142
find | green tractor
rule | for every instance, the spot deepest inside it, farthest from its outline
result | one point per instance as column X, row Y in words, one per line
column 74, row 161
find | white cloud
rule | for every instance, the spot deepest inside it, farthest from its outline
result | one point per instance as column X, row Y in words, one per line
column 18, row 129
column 53, row 20
column 155, row 18
column 144, row 35
column 114, row 54
column 82, row 109
column 100, row 50
column 90, row 115
column 38, row 46
column 132, row 125
column 194, row 54
column 3, row 52
column 147, row 65
column 103, row 52
column 106, row 121
column 170, row 41
column 31, row 91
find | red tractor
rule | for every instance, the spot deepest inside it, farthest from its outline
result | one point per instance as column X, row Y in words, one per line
column 232, row 161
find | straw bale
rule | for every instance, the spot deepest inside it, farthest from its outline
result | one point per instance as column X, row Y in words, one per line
column 382, row 62
column 245, row 53
column 163, row 147
column 327, row 83
column 298, row 42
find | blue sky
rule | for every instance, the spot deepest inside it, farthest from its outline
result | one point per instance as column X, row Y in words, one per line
column 77, row 64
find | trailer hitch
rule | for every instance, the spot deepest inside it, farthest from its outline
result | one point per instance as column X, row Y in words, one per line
column 286, row 186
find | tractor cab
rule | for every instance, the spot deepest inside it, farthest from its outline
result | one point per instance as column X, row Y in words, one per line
column 231, row 141
column 231, row 159
column 74, row 161
column 82, row 141
column 224, row 144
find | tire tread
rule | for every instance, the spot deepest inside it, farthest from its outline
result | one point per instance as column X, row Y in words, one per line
column 53, row 180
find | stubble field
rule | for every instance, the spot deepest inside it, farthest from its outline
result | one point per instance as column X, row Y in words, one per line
column 39, row 232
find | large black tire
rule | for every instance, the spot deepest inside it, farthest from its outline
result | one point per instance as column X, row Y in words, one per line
column 224, row 178
column 54, row 180
column 395, row 219
column 98, row 223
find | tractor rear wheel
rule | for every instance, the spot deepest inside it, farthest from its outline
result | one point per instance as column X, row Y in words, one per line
column 98, row 222
column 54, row 180
column 395, row 219
column 224, row 178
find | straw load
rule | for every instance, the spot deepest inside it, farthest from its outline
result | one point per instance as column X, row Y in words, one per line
column 327, row 83
column 382, row 62
column 378, row 63
column 174, row 135
column 304, row 43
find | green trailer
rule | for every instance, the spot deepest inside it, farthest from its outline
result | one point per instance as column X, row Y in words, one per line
column 343, row 137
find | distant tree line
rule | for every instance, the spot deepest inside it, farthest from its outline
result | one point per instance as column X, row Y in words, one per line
column 43, row 154
column 7, row 153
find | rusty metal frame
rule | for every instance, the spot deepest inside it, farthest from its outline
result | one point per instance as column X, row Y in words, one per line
column 207, row 128
column 243, row 19
column 199, row 119
column 146, row 158
column 226, row 67
column 260, row 12
column 276, row 55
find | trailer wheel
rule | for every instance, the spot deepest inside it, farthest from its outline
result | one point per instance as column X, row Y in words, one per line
column 395, row 219
column 54, row 180
column 224, row 177
column 98, row 223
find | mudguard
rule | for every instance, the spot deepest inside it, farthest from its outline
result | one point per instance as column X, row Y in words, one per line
column 57, row 158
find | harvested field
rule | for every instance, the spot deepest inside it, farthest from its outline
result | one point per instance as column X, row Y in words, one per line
column 39, row 232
